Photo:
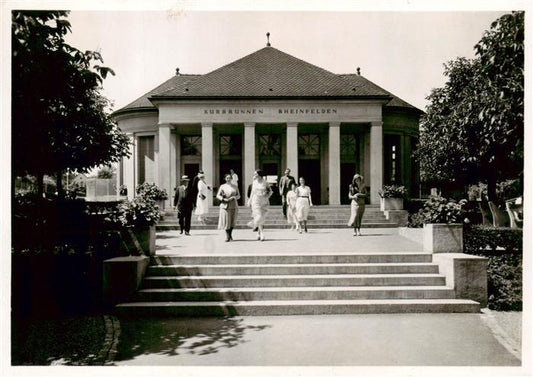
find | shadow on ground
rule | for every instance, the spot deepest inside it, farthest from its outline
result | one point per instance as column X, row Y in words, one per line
column 180, row 336
column 72, row 340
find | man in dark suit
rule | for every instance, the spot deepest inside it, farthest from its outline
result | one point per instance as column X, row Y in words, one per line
column 183, row 202
column 284, row 187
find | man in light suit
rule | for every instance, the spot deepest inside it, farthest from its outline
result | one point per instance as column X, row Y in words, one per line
column 284, row 186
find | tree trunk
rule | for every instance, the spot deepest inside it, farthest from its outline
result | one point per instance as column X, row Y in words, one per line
column 40, row 184
column 491, row 189
column 59, row 183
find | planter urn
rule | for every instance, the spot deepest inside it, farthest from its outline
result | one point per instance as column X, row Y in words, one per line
column 140, row 240
column 443, row 238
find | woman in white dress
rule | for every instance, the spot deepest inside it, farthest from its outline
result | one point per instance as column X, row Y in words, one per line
column 357, row 194
column 228, row 194
column 202, row 205
column 259, row 203
column 303, row 203
column 291, row 207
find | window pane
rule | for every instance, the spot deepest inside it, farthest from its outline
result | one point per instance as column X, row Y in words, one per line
column 191, row 145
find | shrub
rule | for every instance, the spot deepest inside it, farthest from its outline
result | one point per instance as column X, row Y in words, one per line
column 438, row 210
column 137, row 212
column 392, row 191
column 481, row 238
column 151, row 191
column 503, row 249
column 504, row 280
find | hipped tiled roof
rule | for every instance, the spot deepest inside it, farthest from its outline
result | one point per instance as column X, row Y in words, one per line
column 266, row 73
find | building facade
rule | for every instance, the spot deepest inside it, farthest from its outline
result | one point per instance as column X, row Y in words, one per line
column 272, row 111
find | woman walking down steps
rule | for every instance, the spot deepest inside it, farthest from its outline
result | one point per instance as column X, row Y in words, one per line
column 228, row 194
column 259, row 202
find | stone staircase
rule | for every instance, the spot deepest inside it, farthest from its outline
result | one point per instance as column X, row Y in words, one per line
column 319, row 217
column 294, row 284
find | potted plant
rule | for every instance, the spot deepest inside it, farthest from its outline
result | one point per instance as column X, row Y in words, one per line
column 139, row 217
column 442, row 222
column 392, row 197
column 153, row 192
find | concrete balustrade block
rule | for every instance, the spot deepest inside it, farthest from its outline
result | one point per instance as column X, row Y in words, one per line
column 466, row 274
column 399, row 217
column 122, row 277
column 443, row 238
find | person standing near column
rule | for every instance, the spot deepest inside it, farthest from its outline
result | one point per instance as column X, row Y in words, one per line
column 357, row 193
column 303, row 203
column 259, row 202
column 183, row 202
column 234, row 177
column 284, row 187
column 291, row 207
column 228, row 194
column 202, row 205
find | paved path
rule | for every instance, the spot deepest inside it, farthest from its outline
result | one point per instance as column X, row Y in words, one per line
column 381, row 240
column 338, row 340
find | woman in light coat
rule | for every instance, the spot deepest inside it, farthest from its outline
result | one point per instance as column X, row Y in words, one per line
column 259, row 202
column 357, row 193
column 228, row 194
column 202, row 205
column 303, row 203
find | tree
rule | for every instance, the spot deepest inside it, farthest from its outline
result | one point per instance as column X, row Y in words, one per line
column 59, row 118
column 473, row 129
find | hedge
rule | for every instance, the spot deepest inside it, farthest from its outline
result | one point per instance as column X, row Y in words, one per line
column 503, row 249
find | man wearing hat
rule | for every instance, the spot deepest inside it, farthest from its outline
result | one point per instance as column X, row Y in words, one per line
column 183, row 202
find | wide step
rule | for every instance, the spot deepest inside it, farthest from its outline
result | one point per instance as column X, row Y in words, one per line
column 292, row 280
column 300, row 307
column 292, row 269
column 295, row 293
column 294, row 284
column 288, row 258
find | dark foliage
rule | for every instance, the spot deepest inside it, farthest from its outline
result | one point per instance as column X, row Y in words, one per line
column 503, row 248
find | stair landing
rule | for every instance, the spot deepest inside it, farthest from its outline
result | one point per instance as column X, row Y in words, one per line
column 324, row 271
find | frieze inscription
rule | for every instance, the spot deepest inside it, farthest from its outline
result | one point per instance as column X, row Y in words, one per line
column 252, row 111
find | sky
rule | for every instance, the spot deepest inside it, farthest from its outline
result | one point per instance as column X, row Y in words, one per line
column 401, row 51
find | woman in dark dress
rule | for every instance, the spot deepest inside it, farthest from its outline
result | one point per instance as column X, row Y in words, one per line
column 357, row 193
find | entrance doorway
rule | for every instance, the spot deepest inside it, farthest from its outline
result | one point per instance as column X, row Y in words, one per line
column 272, row 169
column 348, row 169
column 225, row 166
column 190, row 170
column 310, row 170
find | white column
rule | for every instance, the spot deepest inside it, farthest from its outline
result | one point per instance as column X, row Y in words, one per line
column 173, row 169
column 376, row 160
column 163, row 160
column 129, row 167
column 207, row 156
column 249, row 158
column 292, row 149
column 334, row 163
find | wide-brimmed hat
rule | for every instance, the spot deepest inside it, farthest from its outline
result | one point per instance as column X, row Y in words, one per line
column 185, row 178
column 358, row 176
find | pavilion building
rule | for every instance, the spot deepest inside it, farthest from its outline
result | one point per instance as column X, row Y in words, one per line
column 272, row 111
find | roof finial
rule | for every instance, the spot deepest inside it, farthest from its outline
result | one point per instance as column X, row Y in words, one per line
column 177, row 71
column 358, row 71
column 268, row 39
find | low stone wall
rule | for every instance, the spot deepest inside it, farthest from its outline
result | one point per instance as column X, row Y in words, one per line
column 466, row 274
column 414, row 234
column 122, row 277
column 400, row 217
